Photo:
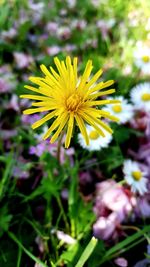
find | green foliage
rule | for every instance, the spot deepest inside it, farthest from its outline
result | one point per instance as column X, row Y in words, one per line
column 5, row 219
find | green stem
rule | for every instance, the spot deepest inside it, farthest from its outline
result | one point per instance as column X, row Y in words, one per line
column 63, row 213
column 59, row 146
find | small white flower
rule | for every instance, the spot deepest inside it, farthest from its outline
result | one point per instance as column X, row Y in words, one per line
column 123, row 111
column 142, row 58
column 97, row 142
column 140, row 96
column 134, row 177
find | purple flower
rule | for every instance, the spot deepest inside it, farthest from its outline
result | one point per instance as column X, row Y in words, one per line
column 122, row 262
column 142, row 122
column 7, row 79
column 38, row 150
column 21, row 169
column 143, row 206
column 105, row 227
column 22, row 60
column 13, row 103
column 53, row 50
column 112, row 205
column 27, row 120
column 52, row 27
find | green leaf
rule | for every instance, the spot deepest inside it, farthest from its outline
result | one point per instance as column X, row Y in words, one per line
column 5, row 219
column 121, row 246
column 87, row 252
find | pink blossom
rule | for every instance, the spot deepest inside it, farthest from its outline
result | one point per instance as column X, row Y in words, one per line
column 39, row 241
column 122, row 262
column 105, row 227
column 69, row 48
column 65, row 237
column 7, row 79
column 27, row 120
column 143, row 206
column 142, row 122
column 112, row 205
column 52, row 27
column 71, row 3
column 22, row 60
column 7, row 134
column 13, row 103
column 79, row 24
column 105, row 26
column 21, row 168
column 46, row 146
column 64, row 32
column 10, row 34
column 53, row 50
column 113, row 197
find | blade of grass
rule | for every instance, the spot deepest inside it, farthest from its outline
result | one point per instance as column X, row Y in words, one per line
column 87, row 252
column 35, row 259
column 6, row 175
column 19, row 256
column 124, row 243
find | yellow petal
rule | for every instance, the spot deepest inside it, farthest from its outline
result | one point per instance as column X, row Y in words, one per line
column 69, row 131
column 35, row 97
column 90, row 121
column 101, row 86
column 64, row 120
column 82, row 128
column 108, row 92
column 43, row 120
column 35, row 110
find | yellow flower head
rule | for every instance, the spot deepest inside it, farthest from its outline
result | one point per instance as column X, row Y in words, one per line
column 69, row 100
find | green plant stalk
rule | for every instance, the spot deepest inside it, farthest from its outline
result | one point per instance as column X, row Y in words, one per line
column 6, row 174
column 59, row 146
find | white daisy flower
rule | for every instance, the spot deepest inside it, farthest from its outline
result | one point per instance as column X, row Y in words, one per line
column 142, row 58
column 134, row 177
column 97, row 142
column 140, row 96
column 123, row 111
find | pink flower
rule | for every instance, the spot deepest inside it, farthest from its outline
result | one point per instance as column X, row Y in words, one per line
column 112, row 205
column 122, row 262
column 65, row 237
column 27, row 120
column 10, row 34
column 22, row 60
column 7, row 79
column 53, row 50
column 52, row 27
column 105, row 227
column 143, row 206
column 46, row 146
column 64, row 33
column 13, row 103
column 142, row 122
column 105, row 26
column 113, row 197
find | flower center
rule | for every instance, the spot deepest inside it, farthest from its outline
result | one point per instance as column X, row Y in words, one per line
column 117, row 108
column 146, row 59
column 73, row 102
column 137, row 175
column 93, row 135
column 146, row 97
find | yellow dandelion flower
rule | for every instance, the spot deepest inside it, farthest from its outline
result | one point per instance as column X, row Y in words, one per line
column 69, row 100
